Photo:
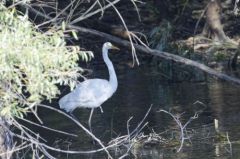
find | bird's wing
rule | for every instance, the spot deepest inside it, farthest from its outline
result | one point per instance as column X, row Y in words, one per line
column 89, row 93
column 92, row 89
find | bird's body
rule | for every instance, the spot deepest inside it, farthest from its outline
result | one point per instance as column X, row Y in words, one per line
column 92, row 93
column 88, row 94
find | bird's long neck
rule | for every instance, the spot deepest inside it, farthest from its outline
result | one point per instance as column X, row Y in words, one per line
column 112, row 75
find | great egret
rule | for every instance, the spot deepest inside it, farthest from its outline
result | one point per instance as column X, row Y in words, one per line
column 92, row 93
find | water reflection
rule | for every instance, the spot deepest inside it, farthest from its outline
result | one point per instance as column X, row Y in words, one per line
column 138, row 89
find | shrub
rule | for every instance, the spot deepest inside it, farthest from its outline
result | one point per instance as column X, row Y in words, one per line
column 32, row 63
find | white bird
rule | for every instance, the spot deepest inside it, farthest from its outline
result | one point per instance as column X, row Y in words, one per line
column 92, row 93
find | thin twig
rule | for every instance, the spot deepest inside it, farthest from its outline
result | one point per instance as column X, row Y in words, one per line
column 182, row 127
column 139, row 124
column 80, row 125
column 15, row 149
column 134, row 55
column 56, row 17
column 45, row 127
column 93, row 13
column 230, row 144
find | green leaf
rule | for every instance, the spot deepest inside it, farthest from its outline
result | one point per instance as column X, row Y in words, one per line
column 63, row 26
column 75, row 34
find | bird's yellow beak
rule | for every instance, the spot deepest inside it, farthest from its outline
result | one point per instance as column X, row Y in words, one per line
column 114, row 47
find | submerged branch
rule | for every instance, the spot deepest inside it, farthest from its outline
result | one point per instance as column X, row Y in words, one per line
column 182, row 127
column 161, row 54
column 80, row 125
column 50, row 129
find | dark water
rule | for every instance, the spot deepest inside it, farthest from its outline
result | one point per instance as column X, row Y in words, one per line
column 140, row 87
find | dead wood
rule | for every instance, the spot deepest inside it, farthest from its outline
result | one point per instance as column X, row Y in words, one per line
column 213, row 27
column 161, row 54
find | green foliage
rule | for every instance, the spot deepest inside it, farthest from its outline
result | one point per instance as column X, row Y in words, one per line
column 33, row 63
column 160, row 35
column 220, row 56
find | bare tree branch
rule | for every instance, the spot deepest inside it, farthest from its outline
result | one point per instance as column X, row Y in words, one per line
column 161, row 54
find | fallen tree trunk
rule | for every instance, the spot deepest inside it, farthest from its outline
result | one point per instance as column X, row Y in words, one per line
column 147, row 50
column 161, row 54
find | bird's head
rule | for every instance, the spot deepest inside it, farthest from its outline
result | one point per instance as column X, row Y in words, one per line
column 109, row 45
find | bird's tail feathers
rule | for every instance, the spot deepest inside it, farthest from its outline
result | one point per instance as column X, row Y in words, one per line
column 67, row 105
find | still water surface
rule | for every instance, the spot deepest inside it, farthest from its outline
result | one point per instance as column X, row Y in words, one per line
column 140, row 87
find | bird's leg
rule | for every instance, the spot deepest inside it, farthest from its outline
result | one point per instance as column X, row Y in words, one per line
column 101, row 109
column 89, row 123
column 90, row 119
